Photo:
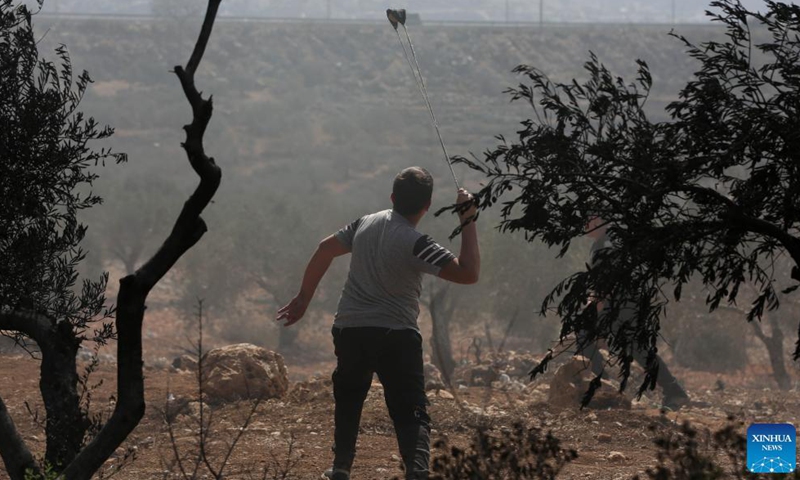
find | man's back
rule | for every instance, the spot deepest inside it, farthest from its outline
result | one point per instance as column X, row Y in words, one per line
column 388, row 259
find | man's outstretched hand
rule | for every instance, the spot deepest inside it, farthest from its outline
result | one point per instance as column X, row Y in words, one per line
column 328, row 249
column 293, row 311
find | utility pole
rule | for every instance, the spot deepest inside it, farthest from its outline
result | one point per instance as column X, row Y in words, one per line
column 541, row 13
column 673, row 12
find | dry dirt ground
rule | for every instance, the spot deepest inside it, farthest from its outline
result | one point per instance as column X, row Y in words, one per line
column 294, row 433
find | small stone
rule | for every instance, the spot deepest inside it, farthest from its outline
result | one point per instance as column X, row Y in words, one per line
column 616, row 457
column 119, row 452
column 603, row 438
column 446, row 395
column 477, row 411
column 147, row 442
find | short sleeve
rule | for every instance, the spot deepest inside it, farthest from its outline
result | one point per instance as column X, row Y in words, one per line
column 346, row 234
column 600, row 249
column 429, row 256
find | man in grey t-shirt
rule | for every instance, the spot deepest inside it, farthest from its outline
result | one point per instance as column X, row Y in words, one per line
column 375, row 328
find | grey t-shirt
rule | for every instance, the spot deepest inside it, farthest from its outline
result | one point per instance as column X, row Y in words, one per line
column 385, row 280
column 600, row 244
column 603, row 246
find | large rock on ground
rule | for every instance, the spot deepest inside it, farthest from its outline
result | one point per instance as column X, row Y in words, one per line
column 571, row 382
column 244, row 371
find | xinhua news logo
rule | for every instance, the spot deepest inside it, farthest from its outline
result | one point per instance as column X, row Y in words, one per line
column 771, row 448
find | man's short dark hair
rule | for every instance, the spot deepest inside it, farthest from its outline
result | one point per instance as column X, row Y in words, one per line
column 412, row 190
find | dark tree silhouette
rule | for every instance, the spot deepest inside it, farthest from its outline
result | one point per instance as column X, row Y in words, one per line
column 45, row 159
column 713, row 192
column 441, row 305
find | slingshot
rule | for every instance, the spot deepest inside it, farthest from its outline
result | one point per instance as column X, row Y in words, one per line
column 398, row 17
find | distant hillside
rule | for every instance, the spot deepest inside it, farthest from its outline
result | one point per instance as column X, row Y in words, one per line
column 311, row 122
column 340, row 95
column 626, row 11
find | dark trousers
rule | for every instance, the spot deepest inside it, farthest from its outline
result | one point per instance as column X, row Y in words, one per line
column 666, row 380
column 396, row 356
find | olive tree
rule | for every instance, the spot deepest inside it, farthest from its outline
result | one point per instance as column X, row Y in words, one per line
column 46, row 163
column 713, row 192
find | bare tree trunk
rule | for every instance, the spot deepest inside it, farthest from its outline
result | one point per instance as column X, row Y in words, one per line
column 187, row 231
column 129, row 256
column 18, row 459
column 441, row 309
column 16, row 456
column 774, row 344
column 130, row 265
column 66, row 423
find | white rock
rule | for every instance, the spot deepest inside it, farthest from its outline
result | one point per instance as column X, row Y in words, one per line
column 244, row 371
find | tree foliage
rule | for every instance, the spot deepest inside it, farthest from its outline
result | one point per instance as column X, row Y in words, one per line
column 47, row 174
column 46, row 159
column 712, row 192
column 46, row 162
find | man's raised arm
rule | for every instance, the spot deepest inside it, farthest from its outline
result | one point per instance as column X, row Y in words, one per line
column 466, row 268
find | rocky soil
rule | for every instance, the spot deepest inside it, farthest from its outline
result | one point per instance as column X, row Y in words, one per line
column 292, row 434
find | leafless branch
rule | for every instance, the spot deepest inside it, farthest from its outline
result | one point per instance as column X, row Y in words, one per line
column 188, row 229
